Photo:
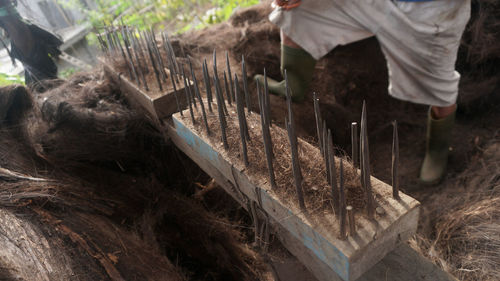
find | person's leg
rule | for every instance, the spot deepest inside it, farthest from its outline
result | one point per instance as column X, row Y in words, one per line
column 309, row 32
column 440, row 123
column 299, row 66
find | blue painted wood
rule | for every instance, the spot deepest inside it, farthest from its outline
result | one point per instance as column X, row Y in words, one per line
column 323, row 249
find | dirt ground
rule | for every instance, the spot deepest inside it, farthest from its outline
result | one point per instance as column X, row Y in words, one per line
column 98, row 195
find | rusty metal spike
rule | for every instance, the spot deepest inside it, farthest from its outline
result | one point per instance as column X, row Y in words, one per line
column 354, row 144
column 226, row 86
column 220, row 110
column 198, row 95
column 266, row 138
column 342, row 204
column 351, row 219
column 245, row 84
column 231, row 85
column 395, row 162
column 365, row 156
column 241, row 119
column 188, row 98
column 317, row 114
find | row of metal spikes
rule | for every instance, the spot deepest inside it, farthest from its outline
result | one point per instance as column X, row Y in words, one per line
column 135, row 44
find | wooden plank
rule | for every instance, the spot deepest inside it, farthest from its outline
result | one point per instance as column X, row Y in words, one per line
column 402, row 264
column 155, row 104
column 349, row 259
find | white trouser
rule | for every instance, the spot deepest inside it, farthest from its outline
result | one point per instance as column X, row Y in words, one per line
column 420, row 40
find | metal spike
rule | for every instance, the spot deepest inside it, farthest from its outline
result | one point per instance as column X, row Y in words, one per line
column 109, row 39
column 215, row 62
column 352, row 221
column 245, row 84
column 175, row 95
column 190, row 90
column 342, row 203
column 208, row 87
column 268, row 147
column 122, row 52
column 147, row 42
column 354, row 144
column 267, row 111
column 170, row 64
column 231, row 85
column 138, row 53
column 218, row 85
column 130, row 58
column 241, row 119
column 325, row 152
column 395, row 162
column 296, row 166
column 317, row 114
column 172, row 53
column 188, row 97
column 267, row 108
column 226, row 86
column 130, row 67
column 103, row 46
column 294, row 149
column 220, row 109
column 332, row 172
column 173, row 75
column 198, row 95
column 365, row 163
column 158, row 55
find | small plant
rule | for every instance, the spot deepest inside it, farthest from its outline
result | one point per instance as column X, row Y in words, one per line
column 10, row 79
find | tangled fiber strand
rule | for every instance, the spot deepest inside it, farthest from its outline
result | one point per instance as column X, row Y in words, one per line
column 467, row 228
column 58, row 163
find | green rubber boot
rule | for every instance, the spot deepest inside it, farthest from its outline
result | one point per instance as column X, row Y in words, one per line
column 437, row 148
column 299, row 66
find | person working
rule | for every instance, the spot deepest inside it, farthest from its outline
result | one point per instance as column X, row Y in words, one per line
column 419, row 38
column 30, row 44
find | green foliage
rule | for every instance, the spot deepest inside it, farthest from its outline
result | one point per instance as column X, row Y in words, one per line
column 144, row 14
column 9, row 79
column 68, row 72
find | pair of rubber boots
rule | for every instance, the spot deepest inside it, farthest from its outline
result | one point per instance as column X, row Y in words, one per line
column 299, row 65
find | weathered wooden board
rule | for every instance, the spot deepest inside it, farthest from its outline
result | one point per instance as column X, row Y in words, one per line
column 155, row 104
column 318, row 246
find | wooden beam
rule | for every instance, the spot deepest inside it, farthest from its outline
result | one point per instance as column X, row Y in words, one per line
column 155, row 104
column 348, row 259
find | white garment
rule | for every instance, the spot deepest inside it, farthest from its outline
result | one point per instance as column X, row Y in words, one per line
column 420, row 40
